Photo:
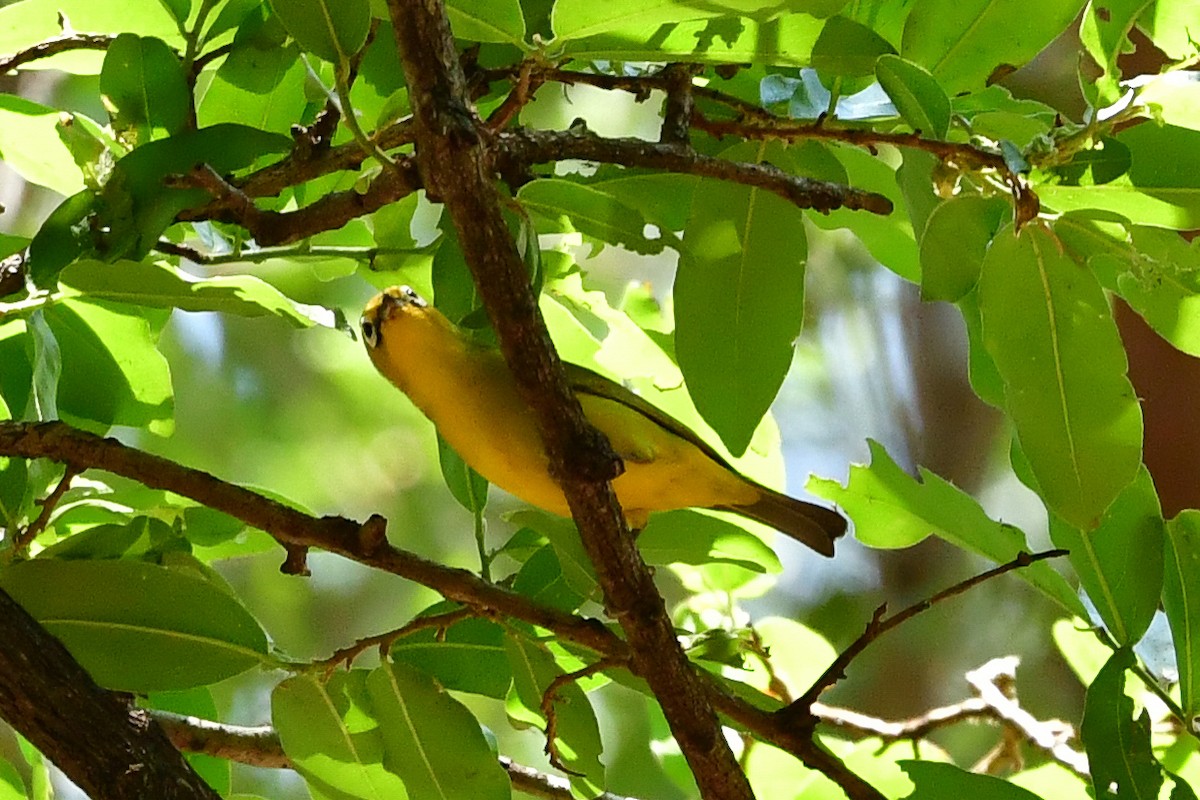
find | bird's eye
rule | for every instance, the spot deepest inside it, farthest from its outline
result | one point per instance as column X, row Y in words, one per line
column 370, row 333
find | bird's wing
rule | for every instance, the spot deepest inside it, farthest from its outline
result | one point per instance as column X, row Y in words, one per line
column 585, row 381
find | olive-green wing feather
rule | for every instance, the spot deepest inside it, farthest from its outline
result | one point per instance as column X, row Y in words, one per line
column 585, row 381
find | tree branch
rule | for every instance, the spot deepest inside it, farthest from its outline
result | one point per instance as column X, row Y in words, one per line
column 365, row 543
column 45, row 695
column 524, row 147
column 457, row 169
column 52, row 47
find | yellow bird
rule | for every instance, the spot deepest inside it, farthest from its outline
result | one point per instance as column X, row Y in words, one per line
column 468, row 392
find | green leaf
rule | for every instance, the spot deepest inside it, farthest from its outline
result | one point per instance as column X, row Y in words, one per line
column 331, row 735
column 847, row 49
column 47, row 368
column 578, row 19
column 916, row 95
column 1104, row 34
column 135, row 207
column 739, row 298
column 786, row 40
column 258, row 86
column 890, row 239
column 543, row 578
column 1120, row 563
column 1181, row 601
column 892, row 509
column 692, row 537
column 1081, row 648
column 12, row 787
column 498, row 21
column 1162, row 188
column 112, row 372
column 137, row 626
column 662, row 199
column 431, row 740
column 577, row 735
column 1172, row 96
column 469, row 488
column 571, row 559
column 160, row 285
column 468, row 656
column 1171, row 26
column 144, row 89
column 63, row 237
column 962, row 42
column 954, row 243
column 330, row 29
column 31, row 147
column 1158, row 273
column 1118, row 746
column 180, row 9
column 937, row 781
column 13, row 480
column 798, row 654
column 562, row 206
column 1047, row 325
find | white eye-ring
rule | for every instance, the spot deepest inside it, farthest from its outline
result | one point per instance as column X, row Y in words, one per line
column 370, row 332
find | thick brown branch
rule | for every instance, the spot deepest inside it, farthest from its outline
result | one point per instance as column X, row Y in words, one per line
column 109, row 749
column 537, row 147
column 362, row 543
column 755, row 122
column 329, row 213
column 452, row 150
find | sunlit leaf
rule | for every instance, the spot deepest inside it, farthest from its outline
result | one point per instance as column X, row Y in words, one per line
column 431, row 740
column 1118, row 745
column 1048, row 326
column 1181, row 600
column 1120, row 562
column 890, row 508
column 330, row 29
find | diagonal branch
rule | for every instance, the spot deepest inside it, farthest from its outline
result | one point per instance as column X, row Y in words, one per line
column 456, row 167
column 364, row 543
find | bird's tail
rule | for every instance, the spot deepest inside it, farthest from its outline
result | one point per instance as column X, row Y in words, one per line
column 810, row 524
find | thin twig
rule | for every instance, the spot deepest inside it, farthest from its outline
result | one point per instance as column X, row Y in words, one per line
column 52, row 47
column 518, row 97
column 550, row 697
column 260, row 254
column 880, row 625
column 384, row 641
column 26, row 537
